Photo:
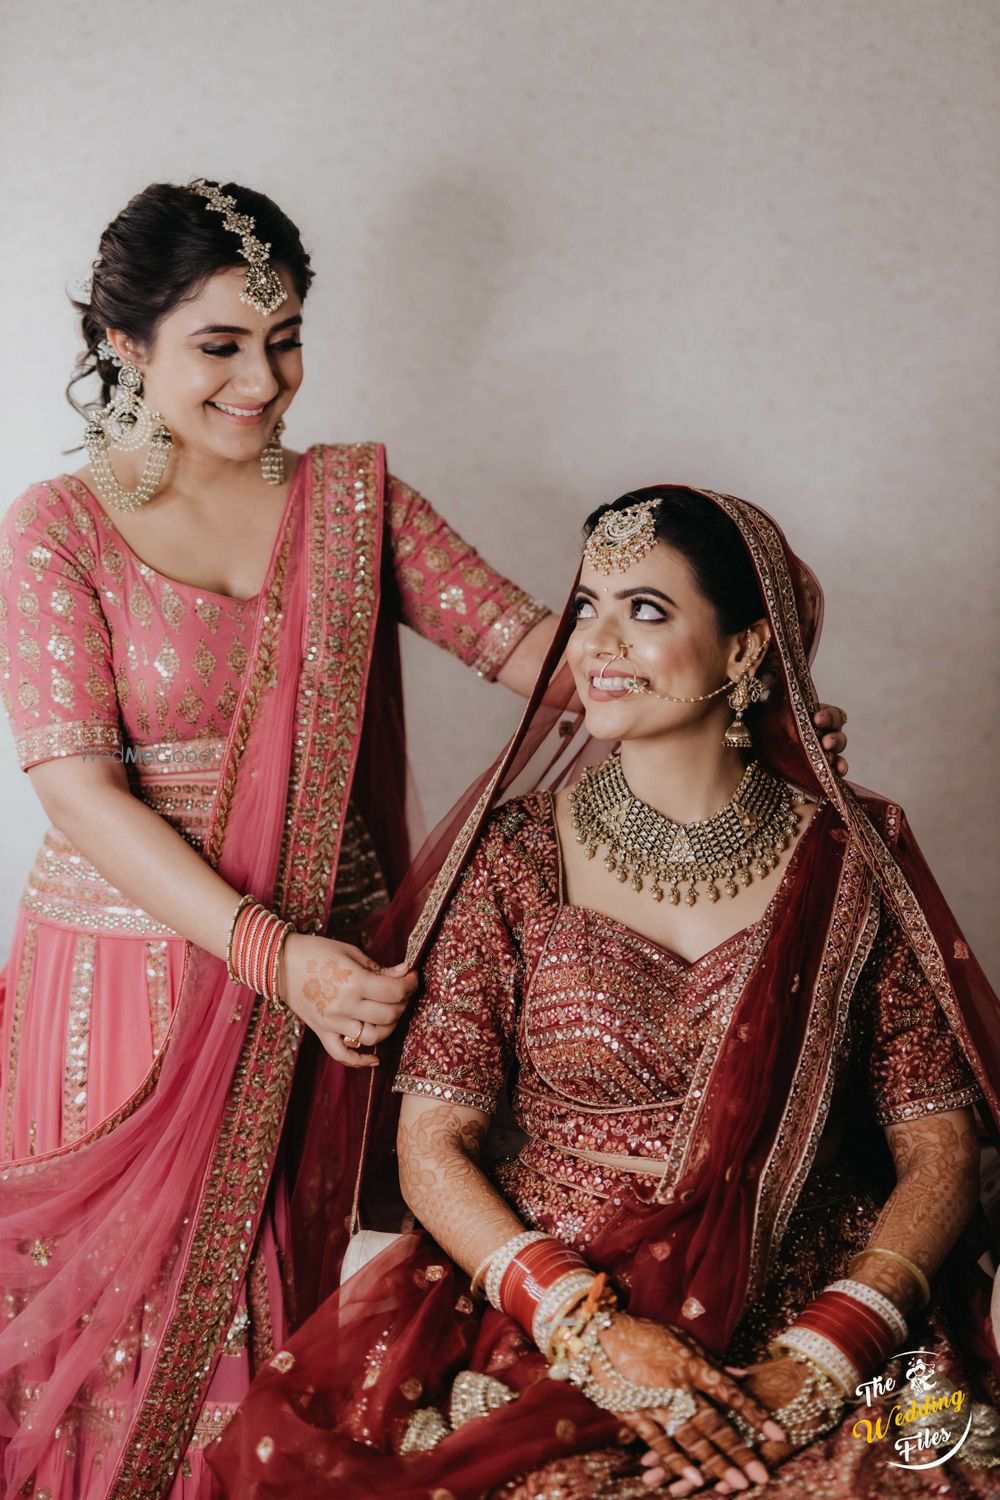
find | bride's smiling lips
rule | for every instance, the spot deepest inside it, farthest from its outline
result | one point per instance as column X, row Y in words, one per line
column 615, row 685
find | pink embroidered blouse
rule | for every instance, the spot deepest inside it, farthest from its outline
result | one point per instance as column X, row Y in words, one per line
column 102, row 654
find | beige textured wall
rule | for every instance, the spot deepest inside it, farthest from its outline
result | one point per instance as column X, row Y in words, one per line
column 569, row 246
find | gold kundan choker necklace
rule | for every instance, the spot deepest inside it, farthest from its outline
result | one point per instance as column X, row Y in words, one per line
column 744, row 838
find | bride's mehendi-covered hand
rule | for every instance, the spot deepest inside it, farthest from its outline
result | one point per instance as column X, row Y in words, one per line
column 774, row 1383
column 707, row 1446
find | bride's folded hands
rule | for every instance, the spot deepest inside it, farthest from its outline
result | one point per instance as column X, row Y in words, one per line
column 774, row 1383
column 344, row 996
column 705, row 1447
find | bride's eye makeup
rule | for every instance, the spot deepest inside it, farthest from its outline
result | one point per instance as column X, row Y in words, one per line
column 647, row 610
column 583, row 608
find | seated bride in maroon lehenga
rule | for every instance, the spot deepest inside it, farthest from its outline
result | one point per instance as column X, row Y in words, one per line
column 748, row 1175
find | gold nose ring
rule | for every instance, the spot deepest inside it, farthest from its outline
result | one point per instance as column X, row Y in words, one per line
column 619, row 654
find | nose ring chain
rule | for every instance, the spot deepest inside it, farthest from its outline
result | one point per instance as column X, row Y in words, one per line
column 645, row 689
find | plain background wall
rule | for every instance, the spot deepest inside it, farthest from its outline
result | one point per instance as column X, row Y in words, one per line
column 565, row 247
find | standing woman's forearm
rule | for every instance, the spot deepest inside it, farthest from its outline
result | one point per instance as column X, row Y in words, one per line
column 137, row 850
column 330, row 985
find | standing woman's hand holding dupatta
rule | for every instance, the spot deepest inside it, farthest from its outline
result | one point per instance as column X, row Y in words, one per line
column 344, row 996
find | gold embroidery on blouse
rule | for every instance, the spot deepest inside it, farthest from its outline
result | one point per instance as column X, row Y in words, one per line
column 62, row 603
column 60, row 646
column 167, row 661
column 204, row 662
column 28, row 695
column 237, row 657
column 38, row 560
column 62, row 691
column 190, row 706
column 172, row 606
column 29, row 650
column 140, row 605
column 27, row 601
column 25, row 515
column 208, row 614
column 512, row 626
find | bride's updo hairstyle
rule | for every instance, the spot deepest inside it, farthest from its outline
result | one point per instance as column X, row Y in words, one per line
column 710, row 542
column 158, row 253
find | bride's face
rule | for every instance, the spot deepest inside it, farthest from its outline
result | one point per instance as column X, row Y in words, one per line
column 674, row 646
column 220, row 373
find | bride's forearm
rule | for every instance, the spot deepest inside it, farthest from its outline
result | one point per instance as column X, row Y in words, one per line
column 937, row 1167
column 439, row 1150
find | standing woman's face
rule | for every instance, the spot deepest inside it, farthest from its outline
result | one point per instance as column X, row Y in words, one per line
column 219, row 373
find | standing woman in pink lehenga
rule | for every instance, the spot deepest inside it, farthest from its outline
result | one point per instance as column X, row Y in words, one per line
column 199, row 659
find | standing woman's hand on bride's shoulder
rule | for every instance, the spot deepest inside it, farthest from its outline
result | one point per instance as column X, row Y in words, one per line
column 830, row 721
column 704, row 1447
column 344, row 996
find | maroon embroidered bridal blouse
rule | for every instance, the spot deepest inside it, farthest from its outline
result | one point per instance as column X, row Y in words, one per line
column 607, row 1038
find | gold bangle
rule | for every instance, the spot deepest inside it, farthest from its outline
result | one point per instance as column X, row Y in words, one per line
column 278, row 997
column 245, row 901
column 904, row 1261
column 476, row 1284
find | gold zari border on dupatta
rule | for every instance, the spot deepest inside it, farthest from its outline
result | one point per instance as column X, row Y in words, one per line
column 768, row 554
column 849, row 938
column 344, row 534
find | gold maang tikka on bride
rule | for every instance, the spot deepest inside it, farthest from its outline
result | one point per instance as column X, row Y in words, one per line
column 745, row 838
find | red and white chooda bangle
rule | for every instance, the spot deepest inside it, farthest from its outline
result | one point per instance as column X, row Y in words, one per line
column 848, row 1332
column 537, row 1280
column 256, row 939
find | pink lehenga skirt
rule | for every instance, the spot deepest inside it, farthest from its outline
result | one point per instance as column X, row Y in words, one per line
column 85, row 1004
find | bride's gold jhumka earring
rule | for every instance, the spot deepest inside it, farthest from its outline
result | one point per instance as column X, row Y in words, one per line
column 125, row 424
column 272, row 459
column 748, row 690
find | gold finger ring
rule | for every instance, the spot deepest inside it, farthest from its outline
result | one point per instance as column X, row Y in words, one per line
column 355, row 1040
column 843, row 719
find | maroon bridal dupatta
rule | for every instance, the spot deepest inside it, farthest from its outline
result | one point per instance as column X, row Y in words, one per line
column 327, row 1416
column 122, row 1256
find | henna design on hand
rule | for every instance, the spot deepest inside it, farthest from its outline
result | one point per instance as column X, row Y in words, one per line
column 328, row 978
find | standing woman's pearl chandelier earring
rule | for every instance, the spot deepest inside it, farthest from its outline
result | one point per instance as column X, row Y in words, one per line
column 272, row 460
column 126, row 424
